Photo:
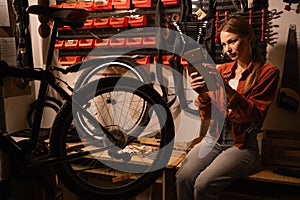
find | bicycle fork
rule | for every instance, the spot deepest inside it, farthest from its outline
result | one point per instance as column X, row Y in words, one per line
column 4, row 159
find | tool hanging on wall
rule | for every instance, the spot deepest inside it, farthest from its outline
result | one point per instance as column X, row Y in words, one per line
column 209, row 40
column 289, row 3
column 23, row 38
column 289, row 94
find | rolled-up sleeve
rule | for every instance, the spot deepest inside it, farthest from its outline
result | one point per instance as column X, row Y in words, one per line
column 254, row 105
column 204, row 108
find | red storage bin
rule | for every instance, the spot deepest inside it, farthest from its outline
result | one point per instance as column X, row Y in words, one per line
column 143, row 61
column 64, row 28
column 149, row 41
column 117, row 42
column 56, row 6
column 71, row 44
column 134, row 42
column 103, row 5
column 86, row 43
column 68, row 60
column 89, row 23
column 135, row 21
column 118, row 22
column 68, row 5
column 184, row 62
column 89, row 5
column 103, row 43
column 141, row 3
column 84, row 58
column 165, row 60
column 101, row 23
column 170, row 2
column 121, row 4
column 59, row 44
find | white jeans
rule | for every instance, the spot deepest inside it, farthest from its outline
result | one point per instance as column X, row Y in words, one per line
column 204, row 178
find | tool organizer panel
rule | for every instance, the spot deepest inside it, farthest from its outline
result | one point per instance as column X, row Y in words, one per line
column 108, row 18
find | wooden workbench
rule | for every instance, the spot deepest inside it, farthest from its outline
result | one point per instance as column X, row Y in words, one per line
column 264, row 177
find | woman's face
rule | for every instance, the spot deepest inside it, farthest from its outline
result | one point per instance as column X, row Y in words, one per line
column 235, row 46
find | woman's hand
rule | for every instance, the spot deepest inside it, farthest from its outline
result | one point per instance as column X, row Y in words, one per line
column 197, row 83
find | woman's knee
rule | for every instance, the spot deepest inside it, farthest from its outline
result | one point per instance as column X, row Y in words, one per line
column 205, row 190
column 184, row 176
column 200, row 186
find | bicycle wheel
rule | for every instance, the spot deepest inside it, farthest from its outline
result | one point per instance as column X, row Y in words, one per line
column 101, row 68
column 118, row 164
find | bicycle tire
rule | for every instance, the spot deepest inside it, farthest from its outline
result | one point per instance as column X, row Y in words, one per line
column 50, row 102
column 102, row 68
column 96, row 180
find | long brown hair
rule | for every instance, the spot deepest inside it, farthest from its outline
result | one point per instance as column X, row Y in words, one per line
column 240, row 25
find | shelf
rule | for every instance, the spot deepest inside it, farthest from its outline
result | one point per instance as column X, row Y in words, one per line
column 107, row 51
column 106, row 33
column 122, row 13
column 107, row 19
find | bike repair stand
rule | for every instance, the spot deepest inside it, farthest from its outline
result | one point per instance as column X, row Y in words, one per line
column 5, row 185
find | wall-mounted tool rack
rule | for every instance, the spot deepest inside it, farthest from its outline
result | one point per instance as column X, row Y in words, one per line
column 108, row 18
column 99, row 35
column 258, row 15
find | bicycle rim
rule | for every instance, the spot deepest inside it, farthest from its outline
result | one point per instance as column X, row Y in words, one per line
column 109, row 68
column 117, row 168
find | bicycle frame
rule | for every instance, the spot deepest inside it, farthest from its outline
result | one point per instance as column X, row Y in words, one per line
column 46, row 79
column 108, row 136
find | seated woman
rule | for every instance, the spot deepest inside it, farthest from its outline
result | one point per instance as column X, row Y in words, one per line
column 250, row 84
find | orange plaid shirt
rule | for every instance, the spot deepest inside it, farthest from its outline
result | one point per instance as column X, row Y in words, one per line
column 244, row 109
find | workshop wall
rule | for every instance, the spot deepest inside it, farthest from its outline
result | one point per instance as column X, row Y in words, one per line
column 280, row 118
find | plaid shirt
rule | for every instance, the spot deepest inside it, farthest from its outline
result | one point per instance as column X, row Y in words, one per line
column 225, row 138
column 247, row 109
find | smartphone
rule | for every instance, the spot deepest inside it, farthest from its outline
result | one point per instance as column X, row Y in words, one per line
column 192, row 69
column 194, row 56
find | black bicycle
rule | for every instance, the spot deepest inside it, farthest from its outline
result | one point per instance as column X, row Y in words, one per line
column 113, row 119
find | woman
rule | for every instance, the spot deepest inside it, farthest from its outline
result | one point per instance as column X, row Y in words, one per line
column 250, row 86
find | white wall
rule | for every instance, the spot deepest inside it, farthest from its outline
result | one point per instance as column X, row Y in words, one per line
column 16, row 107
column 280, row 118
column 277, row 118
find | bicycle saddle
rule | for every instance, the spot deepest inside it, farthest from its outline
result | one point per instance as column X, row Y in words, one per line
column 73, row 17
